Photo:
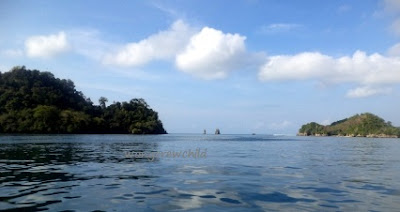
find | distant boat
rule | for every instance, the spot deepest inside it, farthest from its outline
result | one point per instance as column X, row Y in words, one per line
column 253, row 134
column 217, row 132
column 204, row 132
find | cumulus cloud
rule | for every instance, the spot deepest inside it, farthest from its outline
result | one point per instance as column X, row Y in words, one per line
column 160, row 46
column 211, row 54
column 207, row 54
column 297, row 67
column 361, row 69
column 46, row 46
column 366, row 91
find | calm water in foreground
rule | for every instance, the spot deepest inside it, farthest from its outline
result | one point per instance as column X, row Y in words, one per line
column 239, row 172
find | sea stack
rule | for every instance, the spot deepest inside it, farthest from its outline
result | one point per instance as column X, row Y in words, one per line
column 217, row 132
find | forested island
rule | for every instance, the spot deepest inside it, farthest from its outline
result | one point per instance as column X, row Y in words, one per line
column 360, row 125
column 32, row 101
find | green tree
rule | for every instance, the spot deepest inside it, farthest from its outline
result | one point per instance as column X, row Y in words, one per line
column 36, row 102
column 358, row 125
column 102, row 102
column 45, row 119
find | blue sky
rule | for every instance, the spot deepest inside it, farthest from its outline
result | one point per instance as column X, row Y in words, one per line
column 241, row 66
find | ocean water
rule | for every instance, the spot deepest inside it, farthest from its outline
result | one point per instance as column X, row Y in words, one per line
column 185, row 172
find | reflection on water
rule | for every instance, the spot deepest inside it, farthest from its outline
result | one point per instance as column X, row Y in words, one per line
column 253, row 173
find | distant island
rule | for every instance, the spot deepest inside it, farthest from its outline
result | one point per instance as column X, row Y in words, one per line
column 360, row 125
column 32, row 101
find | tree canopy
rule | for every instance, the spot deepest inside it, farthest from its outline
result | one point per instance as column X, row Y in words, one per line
column 364, row 125
column 32, row 101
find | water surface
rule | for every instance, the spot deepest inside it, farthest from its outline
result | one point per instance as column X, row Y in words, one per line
column 239, row 172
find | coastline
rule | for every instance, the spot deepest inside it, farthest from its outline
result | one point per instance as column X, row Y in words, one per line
column 350, row 136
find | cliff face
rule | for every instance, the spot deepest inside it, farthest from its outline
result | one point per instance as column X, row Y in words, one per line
column 363, row 125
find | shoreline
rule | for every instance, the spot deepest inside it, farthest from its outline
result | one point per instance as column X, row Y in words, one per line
column 351, row 135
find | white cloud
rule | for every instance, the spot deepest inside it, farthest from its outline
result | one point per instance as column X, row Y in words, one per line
column 298, row 67
column 394, row 50
column 207, row 53
column 360, row 68
column 366, row 91
column 279, row 27
column 46, row 46
column 161, row 46
column 211, row 54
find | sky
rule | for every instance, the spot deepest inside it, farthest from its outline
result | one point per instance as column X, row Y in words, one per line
column 245, row 66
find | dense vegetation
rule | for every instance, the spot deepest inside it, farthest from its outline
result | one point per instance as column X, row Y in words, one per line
column 36, row 102
column 363, row 125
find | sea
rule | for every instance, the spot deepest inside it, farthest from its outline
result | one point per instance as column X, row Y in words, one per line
column 190, row 172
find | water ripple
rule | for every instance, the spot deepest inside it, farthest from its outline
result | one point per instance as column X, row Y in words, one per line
column 240, row 173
